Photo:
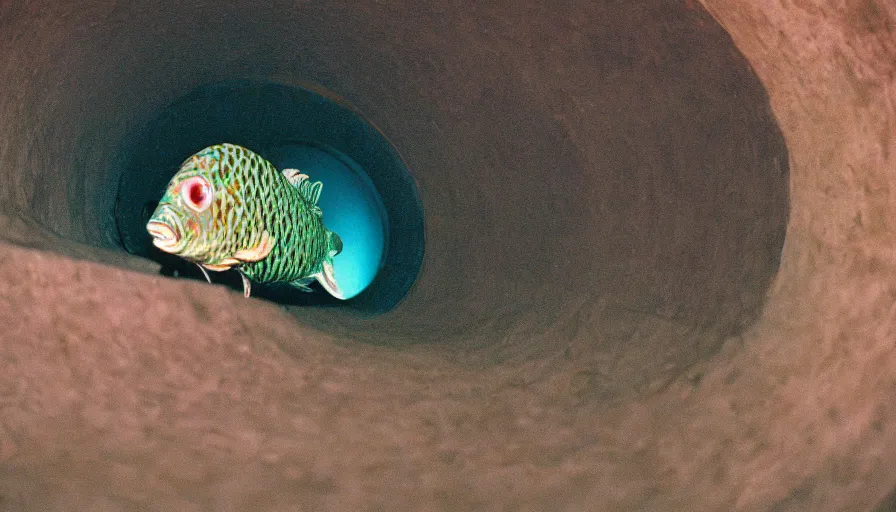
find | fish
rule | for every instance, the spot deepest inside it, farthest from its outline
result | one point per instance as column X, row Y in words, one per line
column 228, row 208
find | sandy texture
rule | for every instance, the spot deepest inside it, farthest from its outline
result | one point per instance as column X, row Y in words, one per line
column 605, row 318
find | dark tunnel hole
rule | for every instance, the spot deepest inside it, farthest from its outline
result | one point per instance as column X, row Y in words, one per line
column 623, row 195
column 366, row 183
column 628, row 188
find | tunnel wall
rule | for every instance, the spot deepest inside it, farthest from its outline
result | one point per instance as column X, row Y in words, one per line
column 527, row 368
column 828, row 326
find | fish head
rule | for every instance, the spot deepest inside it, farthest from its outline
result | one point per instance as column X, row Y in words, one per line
column 183, row 222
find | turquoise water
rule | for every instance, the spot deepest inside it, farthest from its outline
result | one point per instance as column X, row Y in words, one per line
column 352, row 208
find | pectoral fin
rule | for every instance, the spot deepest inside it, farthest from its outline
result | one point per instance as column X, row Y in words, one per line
column 261, row 250
column 221, row 267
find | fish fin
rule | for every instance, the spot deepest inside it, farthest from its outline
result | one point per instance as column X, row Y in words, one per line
column 204, row 273
column 310, row 190
column 302, row 284
column 247, row 285
column 295, row 177
column 327, row 278
column 335, row 242
column 221, row 267
column 259, row 252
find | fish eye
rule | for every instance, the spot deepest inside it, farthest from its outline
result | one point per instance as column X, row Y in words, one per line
column 197, row 193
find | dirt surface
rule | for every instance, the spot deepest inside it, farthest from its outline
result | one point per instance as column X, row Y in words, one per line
column 609, row 315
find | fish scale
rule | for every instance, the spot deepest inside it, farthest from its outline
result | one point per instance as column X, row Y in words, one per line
column 251, row 198
column 284, row 213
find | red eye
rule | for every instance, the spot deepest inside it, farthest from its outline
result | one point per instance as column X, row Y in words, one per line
column 197, row 193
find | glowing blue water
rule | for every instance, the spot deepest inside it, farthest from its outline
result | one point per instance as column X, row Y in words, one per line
column 352, row 208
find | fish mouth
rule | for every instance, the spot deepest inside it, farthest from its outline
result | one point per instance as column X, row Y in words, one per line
column 163, row 236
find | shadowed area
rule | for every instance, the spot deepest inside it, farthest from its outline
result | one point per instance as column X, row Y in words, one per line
column 628, row 205
column 606, row 312
column 268, row 118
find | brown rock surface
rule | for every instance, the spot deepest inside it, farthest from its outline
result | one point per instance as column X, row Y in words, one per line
column 605, row 318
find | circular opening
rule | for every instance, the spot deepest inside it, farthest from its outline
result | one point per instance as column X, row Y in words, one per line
column 352, row 208
column 369, row 197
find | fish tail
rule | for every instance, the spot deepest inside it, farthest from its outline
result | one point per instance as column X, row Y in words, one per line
column 327, row 276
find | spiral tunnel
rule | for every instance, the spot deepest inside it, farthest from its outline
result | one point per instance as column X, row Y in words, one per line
column 639, row 257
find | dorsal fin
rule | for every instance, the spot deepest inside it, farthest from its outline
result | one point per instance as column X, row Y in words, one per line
column 295, row 177
column 310, row 190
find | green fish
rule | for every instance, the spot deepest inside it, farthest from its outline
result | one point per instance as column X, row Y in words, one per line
column 228, row 208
